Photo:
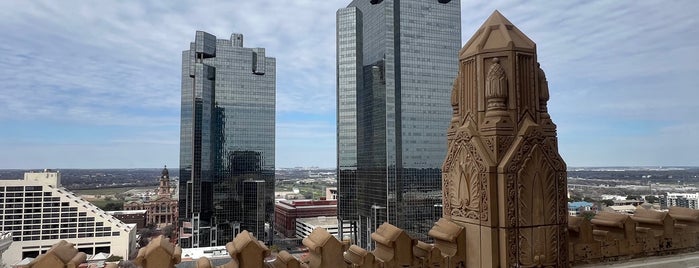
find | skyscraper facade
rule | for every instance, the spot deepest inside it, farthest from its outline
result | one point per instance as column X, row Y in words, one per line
column 396, row 62
column 226, row 141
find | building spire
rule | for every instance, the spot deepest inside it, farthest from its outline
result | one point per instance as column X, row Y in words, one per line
column 164, row 188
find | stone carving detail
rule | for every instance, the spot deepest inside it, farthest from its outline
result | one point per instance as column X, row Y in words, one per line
column 538, row 246
column 464, row 184
column 504, row 143
column 537, row 193
column 496, row 86
column 465, row 195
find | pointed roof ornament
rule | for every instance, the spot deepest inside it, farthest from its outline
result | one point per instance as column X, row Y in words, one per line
column 496, row 34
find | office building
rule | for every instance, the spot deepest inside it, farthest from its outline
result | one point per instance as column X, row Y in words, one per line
column 38, row 212
column 226, row 139
column 396, row 63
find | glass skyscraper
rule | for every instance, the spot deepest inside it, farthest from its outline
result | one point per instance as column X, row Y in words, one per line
column 226, row 141
column 396, row 63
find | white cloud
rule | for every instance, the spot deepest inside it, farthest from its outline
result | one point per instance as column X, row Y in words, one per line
column 117, row 63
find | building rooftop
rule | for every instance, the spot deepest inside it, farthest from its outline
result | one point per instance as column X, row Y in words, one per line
column 322, row 221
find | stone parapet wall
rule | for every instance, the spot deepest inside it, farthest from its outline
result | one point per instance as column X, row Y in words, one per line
column 613, row 236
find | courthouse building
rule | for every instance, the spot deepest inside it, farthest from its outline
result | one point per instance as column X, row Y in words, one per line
column 161, row 211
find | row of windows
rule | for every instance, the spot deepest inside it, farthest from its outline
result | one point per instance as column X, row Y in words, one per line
column 63, row 236
column 20, row 188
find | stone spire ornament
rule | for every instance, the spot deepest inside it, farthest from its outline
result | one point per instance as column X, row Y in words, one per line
column 503, row 179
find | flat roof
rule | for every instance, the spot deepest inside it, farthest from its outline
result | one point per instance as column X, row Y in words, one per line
column 124, row 212
column 319, row 221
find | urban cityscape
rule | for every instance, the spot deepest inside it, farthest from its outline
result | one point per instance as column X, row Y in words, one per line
column 369, row 133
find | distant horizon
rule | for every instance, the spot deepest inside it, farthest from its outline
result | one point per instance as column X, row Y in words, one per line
column 330, row 168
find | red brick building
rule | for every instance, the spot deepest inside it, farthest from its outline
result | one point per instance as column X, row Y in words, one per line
column 286, row 212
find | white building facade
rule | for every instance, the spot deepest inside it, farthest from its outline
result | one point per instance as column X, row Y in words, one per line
column 687, row 200
column 304, row 226
column 38, row 213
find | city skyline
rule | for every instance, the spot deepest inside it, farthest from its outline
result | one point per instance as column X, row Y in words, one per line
column 88, row 87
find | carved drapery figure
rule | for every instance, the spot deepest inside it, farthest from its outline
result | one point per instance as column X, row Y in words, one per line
column 543, row 91
column 455, row 98
column 496, row 87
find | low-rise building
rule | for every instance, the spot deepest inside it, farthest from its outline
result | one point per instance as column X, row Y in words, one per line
column 39, row 213
column 5, row 242
column 304, row 226
column 575, row 208
column 625, row 209
column 685, row 200
column 137, row 217
column 287, row 211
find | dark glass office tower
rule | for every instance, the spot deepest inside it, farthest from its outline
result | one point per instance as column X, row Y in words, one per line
column 226, row 141
column 396, row 63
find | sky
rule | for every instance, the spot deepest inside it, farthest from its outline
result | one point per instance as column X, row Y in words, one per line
column 90, row 84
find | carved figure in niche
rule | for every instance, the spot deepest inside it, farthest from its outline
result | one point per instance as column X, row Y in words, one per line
column 455, row 96
column 543, row 91
column 496, row 86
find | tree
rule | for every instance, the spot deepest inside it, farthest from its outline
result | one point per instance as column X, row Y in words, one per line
column 113, row 206
column 114, row 258
column 634, row 197
column 607, row 202
column 652, row 199
column 145, row 235
column 575, row 198
column 587, row 214
column 589, row 199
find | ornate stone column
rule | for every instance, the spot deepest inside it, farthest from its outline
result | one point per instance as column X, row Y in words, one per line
column 503, row 179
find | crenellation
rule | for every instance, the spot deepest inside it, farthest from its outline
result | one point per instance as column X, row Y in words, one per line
column 394, row 247
column 428, row 255
column 159, row 253
column 324, row 250
column 61, row 254
column 285, row 260
column 357, row 257
column 450, row 239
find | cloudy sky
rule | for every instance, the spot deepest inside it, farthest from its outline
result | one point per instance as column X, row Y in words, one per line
column 88, row 84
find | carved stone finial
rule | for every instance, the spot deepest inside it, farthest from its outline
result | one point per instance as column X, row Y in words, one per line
column 506, row 183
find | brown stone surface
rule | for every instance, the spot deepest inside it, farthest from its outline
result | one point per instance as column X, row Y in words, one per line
column 324, row 250
column 61, row 254
column 394, row 247
column 503, row 179
column 159, row 253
